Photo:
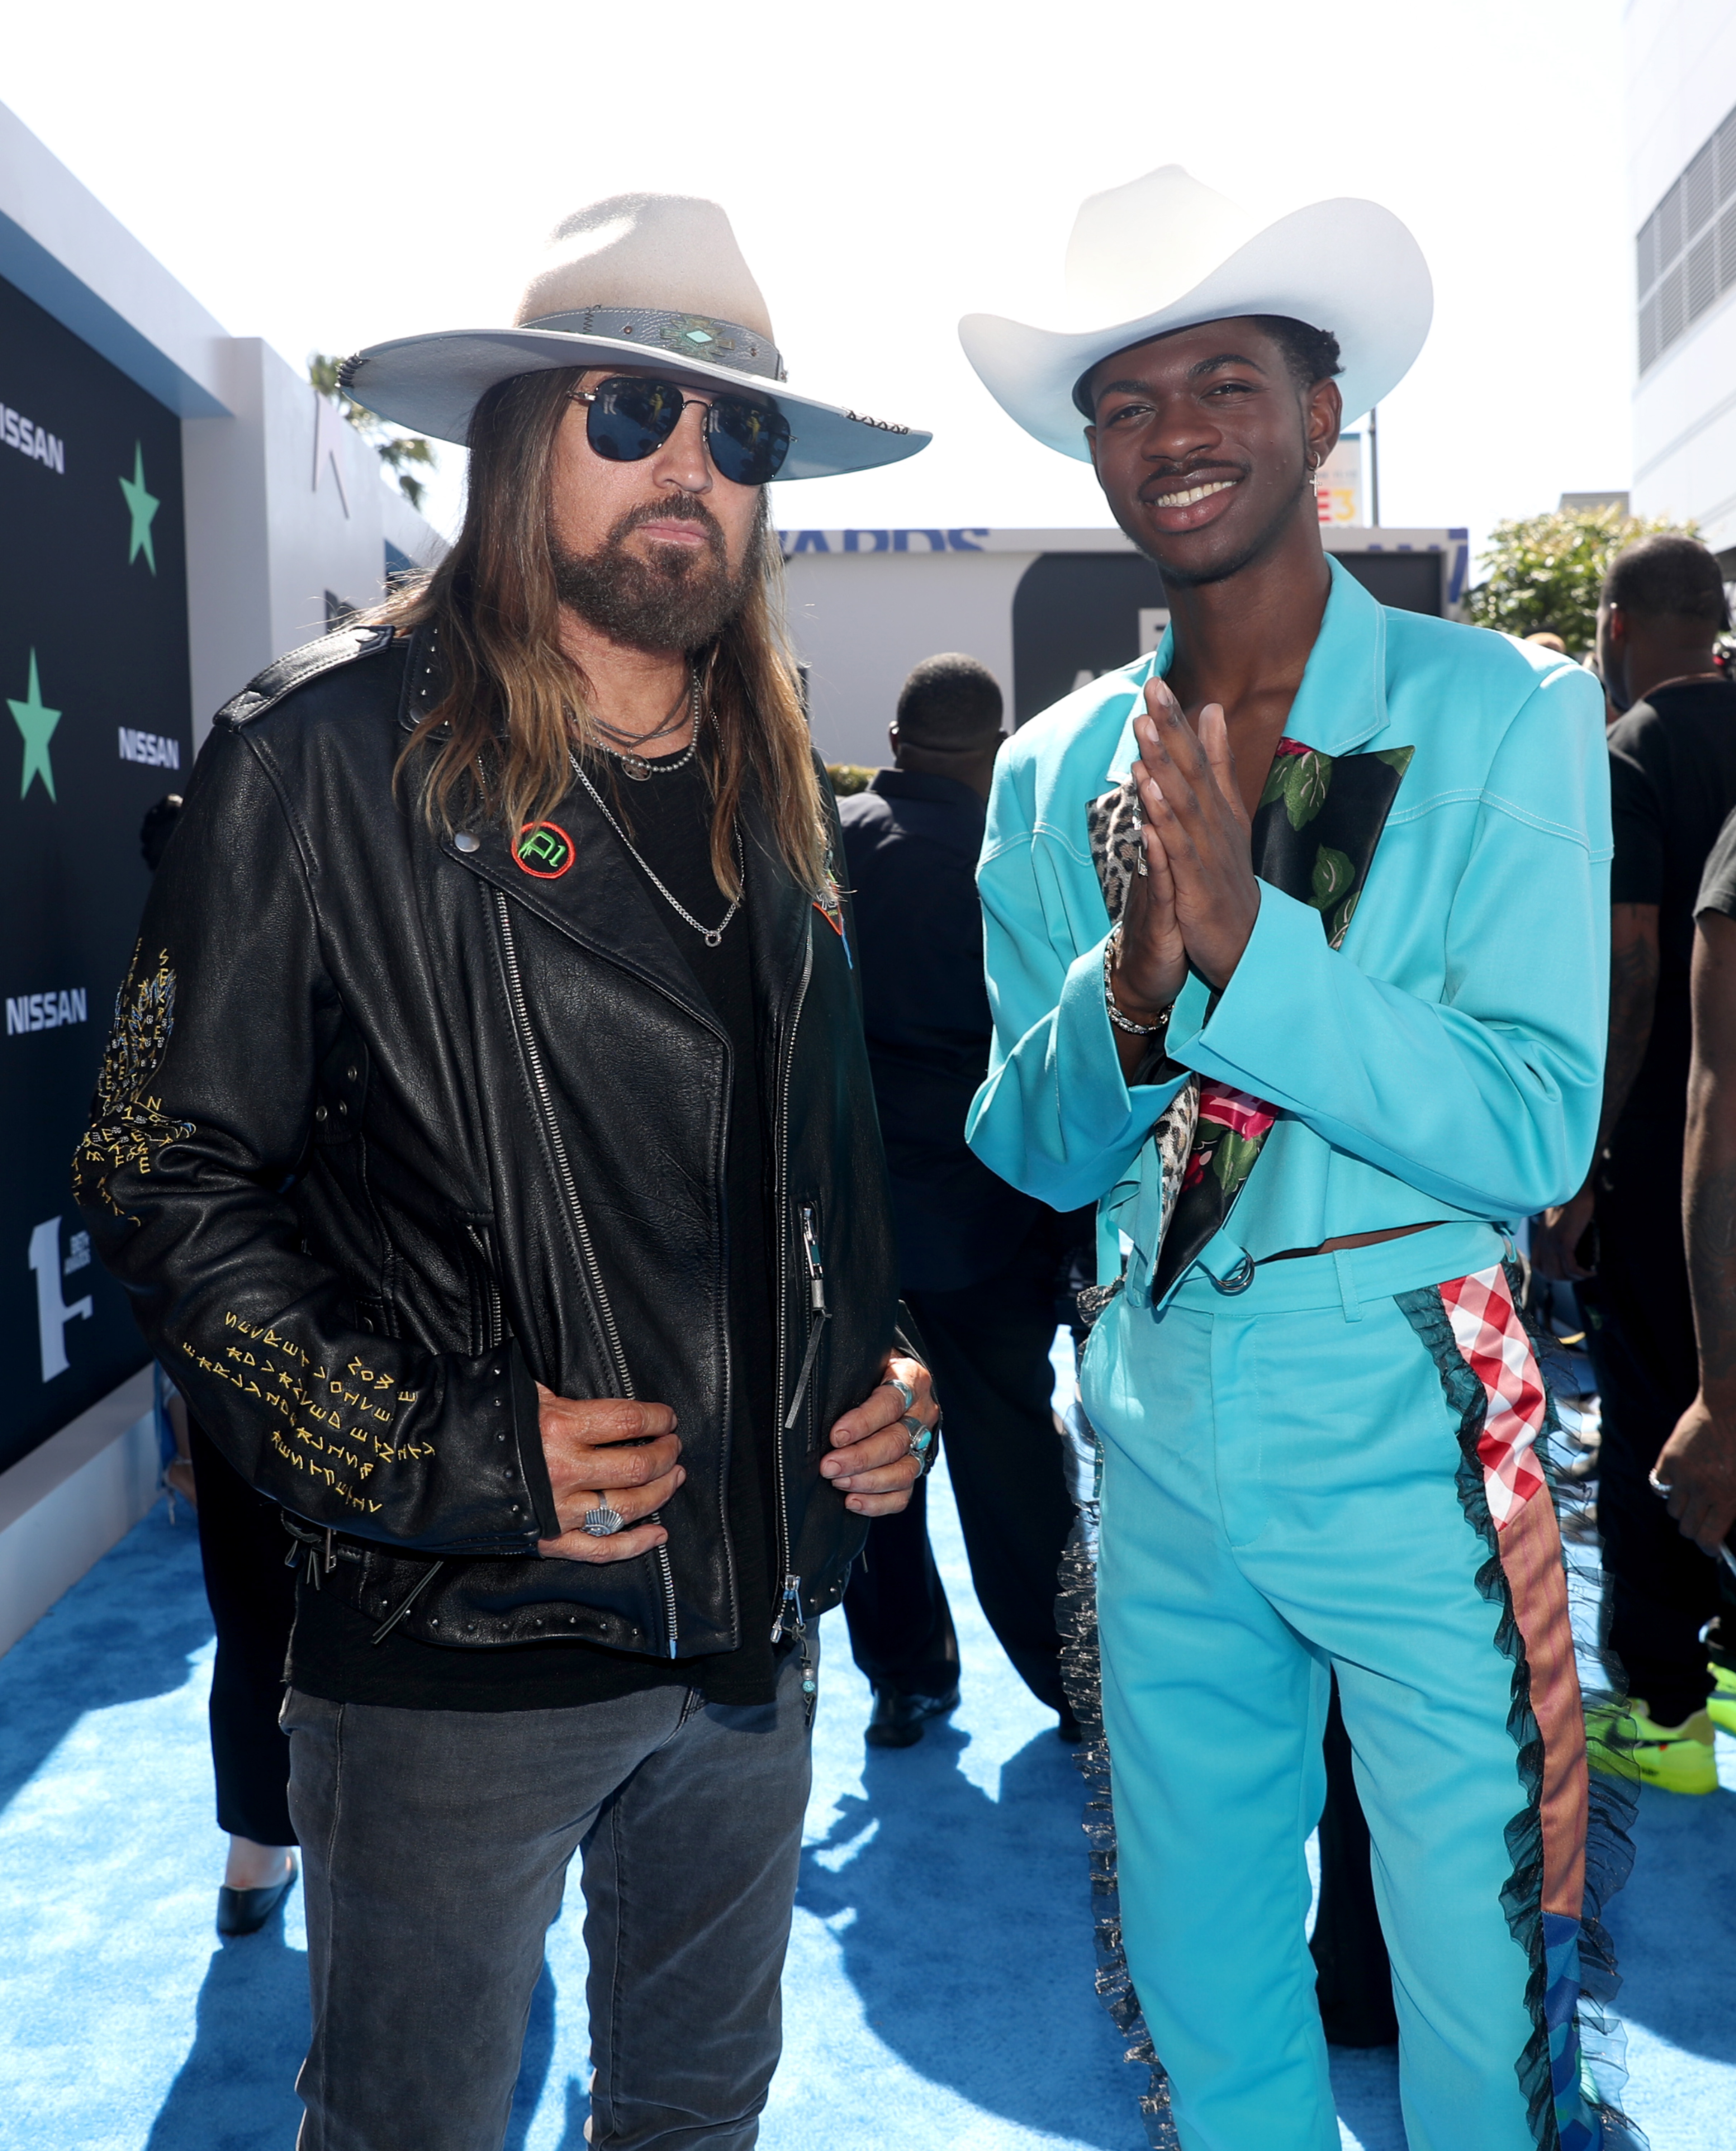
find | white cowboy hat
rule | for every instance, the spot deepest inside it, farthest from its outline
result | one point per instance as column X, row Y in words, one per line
column 634, row 279
column 1166, row 252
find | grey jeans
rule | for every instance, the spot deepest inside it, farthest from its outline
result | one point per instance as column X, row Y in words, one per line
column 435, row 1845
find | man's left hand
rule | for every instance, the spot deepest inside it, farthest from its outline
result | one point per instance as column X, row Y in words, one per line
column 1193, row 805
column 1698, row 1466
column 871, row 1463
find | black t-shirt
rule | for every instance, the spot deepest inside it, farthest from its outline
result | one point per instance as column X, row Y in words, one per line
column 1672, row 777
column 1718, row 884
column 668, row 817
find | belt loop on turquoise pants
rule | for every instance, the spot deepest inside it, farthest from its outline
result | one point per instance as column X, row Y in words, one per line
column 1347, row 1296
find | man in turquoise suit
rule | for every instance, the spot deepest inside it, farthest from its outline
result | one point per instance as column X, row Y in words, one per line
column 1252, row 911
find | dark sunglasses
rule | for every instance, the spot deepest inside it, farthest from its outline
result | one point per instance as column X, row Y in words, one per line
column 628, row 418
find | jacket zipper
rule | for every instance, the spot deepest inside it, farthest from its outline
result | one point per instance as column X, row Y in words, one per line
column 789, row 1611
column 497, row 1323
column 569, row 1187
column 820, row 1315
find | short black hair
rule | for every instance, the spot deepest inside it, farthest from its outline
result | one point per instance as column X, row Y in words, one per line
column 949, row 701
column 1310, row 355
column 1668, row 575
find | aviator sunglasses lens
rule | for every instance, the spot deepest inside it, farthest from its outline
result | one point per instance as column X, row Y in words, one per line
column 628, row 419
column 748, row 441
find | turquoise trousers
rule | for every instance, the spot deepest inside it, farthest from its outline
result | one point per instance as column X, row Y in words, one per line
column 1283, row 1497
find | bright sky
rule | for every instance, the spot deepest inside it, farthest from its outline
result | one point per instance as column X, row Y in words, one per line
column 325, row 180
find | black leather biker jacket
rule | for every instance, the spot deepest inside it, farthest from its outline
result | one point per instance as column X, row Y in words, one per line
column 389, row 1129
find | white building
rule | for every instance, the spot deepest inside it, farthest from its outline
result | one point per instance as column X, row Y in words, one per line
column 1681, row 58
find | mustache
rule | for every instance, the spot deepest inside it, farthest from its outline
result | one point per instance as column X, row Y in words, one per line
column 1184, row 474
column 682, row 507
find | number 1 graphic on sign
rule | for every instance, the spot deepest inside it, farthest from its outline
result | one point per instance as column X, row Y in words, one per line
column 52, row 1314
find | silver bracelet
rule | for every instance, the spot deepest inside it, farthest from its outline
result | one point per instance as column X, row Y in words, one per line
column 1111, row 949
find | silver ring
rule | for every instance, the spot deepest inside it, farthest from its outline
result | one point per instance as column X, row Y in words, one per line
column 603, row 1523
column 904, row 1389
column 921, row 1437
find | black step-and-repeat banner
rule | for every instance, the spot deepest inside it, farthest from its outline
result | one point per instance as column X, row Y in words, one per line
column 96, row 725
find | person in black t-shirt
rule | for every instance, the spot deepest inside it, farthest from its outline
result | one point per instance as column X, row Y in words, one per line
column 979, row 1264
column 1672, row 770
column 1697, row 1471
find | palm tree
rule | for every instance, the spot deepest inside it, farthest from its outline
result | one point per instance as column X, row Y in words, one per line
column 396, row 449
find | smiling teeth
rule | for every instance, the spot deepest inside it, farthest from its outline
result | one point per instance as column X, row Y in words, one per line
column 1197, row 493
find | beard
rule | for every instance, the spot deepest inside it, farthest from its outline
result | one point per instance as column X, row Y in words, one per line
column 680, row 599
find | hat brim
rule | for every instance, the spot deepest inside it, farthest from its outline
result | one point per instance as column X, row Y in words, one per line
column 432, row 383
column 1348, row 266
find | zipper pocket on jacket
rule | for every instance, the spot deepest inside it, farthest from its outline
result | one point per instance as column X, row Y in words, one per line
column 819, row 1314
column 569, row 1189
column 493, row 1319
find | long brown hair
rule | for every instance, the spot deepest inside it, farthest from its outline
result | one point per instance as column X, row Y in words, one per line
column 496, row 742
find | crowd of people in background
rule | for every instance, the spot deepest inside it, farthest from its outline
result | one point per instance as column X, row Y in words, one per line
column 1654, row 1298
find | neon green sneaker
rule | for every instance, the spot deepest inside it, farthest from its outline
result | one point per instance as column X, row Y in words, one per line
column 1628, row 1743
column 1721, row 1703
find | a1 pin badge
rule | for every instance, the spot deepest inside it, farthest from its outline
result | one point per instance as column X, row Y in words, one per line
column 830, row 905
column 544, row 849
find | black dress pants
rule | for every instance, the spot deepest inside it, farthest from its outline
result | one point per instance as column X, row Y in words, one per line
column 1659, row 1589
column 242, row 1544
column 987, row 1345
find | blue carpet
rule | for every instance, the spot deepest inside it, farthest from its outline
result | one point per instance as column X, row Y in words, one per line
column 939, row 1996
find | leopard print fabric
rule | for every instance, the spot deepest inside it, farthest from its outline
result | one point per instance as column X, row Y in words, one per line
column 1113, row 822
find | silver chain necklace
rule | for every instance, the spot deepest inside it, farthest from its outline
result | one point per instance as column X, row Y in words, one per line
column 639, row 767
column 711, row 935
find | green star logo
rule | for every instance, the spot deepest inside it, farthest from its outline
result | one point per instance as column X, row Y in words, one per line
column 37, row 723
column 142, row 507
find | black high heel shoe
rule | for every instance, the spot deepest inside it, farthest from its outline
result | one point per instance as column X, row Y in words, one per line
column 245, row 1911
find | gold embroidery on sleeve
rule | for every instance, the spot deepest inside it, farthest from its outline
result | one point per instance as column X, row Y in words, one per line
column 330, row 1430
column 130, row 1130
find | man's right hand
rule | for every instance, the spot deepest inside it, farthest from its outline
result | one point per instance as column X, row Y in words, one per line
column 1698, row 1470
column 607, row 1452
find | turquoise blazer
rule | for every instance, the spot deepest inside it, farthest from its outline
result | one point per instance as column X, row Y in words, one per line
column 1445, row 1063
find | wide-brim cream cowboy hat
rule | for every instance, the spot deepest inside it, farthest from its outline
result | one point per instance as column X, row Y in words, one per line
column 637, row 279
column 1167, row 252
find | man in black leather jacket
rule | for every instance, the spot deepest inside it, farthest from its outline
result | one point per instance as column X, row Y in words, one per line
column 486, row 1142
